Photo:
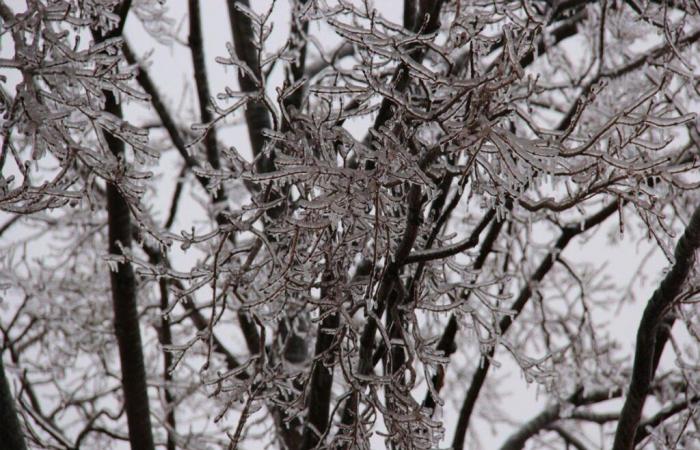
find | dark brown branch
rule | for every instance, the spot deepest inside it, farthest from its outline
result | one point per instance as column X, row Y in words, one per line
column 298, row 41
column 409, row 14
column 452, row 249
column 5, row 226
column 175, row 202
column 124, row 300
column 656, row 310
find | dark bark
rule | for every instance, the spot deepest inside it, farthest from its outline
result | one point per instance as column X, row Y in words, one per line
column 256, row 114
column 124, row 303
column 123, row 282
column 409, row 14
column 11, row 433
column 317, row 423
column 656, row 310
column 298, row 41
column 165, row 337
column 196, row 43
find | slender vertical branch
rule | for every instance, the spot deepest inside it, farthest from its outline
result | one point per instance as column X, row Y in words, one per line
column 196, row 42
column 165, row 337
column 123, row 282
column 248, row 50
column 298, row 41
column 124, row 302
column 318, row 404
column 447, row 343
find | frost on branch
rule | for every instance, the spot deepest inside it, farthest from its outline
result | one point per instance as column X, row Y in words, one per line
column 385, row 223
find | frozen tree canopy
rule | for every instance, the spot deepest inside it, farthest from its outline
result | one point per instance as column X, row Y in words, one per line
column 347, row 224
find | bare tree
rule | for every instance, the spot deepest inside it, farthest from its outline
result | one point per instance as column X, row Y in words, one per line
column 346, row 220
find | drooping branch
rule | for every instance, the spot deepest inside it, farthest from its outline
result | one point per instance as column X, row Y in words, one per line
column 447, row 344
column 567, row 234
column 660, row 303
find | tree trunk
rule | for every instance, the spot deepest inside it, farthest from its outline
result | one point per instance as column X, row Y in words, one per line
column 11, row 434
column 126, row 319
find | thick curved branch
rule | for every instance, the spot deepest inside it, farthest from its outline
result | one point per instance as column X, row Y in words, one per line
column 657, row 307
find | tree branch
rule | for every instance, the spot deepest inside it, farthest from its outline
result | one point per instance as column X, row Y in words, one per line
column 657, row 307
column 479, row 376
column 123, row 282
